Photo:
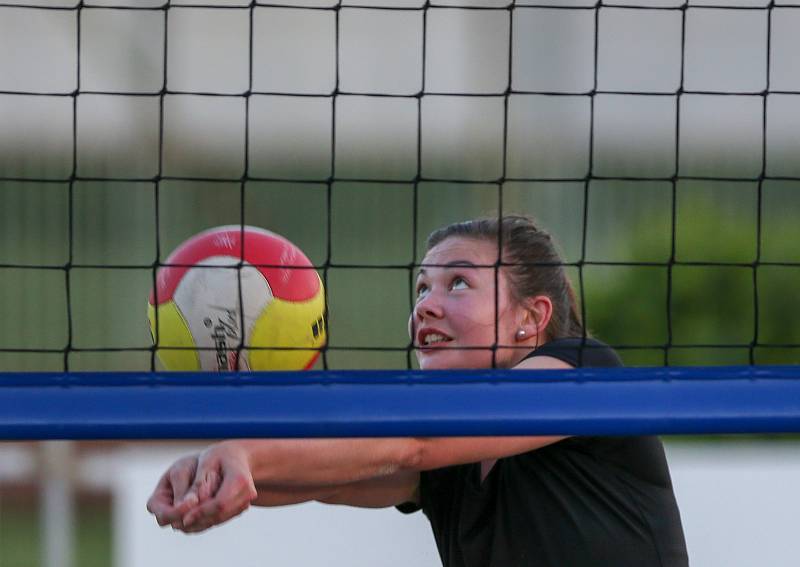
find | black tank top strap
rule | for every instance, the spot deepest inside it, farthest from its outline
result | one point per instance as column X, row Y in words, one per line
column 579, row 351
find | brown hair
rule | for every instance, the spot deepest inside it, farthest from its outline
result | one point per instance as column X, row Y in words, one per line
column 534, row 265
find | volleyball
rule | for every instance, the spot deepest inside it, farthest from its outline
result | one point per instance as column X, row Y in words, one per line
column 237, row 298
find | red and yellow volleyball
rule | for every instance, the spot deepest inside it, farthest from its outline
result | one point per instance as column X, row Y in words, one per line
column 236, row 297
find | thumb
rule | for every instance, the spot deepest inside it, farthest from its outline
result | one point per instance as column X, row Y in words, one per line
column 208, row 485
column 207, row 480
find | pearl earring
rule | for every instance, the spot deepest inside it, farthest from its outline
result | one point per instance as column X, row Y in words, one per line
column 521, row 334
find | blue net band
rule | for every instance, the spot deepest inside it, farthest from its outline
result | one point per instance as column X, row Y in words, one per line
column 614, row 401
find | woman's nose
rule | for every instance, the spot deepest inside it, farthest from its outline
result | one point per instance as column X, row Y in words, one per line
column 428, row 307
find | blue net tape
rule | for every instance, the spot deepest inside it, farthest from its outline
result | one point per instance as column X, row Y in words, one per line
column 614, row 401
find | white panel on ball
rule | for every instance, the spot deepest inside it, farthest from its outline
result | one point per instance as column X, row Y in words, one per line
column 208, row 298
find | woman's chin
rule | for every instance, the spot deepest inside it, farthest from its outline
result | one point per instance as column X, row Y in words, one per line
column 433, row 365
column 434, row 360
column 446, row 361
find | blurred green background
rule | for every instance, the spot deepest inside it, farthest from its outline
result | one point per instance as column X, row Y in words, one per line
column 711, row 314
column 21, row 536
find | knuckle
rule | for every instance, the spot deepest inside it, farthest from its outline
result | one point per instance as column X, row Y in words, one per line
column 223, row 513
column 217, row 508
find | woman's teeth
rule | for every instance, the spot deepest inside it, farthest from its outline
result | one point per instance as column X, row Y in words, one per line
column 434, row 338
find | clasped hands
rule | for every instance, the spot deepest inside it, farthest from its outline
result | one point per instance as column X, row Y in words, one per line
column 204, row 490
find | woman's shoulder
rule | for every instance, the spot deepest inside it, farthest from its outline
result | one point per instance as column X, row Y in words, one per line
column 579, row 351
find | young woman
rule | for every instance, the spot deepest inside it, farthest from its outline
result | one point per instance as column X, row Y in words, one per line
column 491, row 501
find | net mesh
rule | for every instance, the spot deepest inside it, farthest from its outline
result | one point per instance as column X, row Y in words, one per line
column 655, row 140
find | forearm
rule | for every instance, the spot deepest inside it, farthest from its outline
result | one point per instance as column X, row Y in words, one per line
column 380, row 492
column 278, row 464
column 232, row 475
column 269, row 496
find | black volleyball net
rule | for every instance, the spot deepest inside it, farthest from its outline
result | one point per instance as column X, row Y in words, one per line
column 655, row 140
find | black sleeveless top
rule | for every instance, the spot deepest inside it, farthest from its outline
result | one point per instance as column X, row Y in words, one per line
column 584, row 501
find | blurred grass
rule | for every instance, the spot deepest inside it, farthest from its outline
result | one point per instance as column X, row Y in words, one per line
column 21, row 534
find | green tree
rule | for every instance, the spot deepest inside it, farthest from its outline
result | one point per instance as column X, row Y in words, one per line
column 724, row 293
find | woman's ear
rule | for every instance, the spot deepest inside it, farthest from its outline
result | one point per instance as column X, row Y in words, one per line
column 538, row 312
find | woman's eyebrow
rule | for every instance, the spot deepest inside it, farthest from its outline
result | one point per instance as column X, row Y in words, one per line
column 452, row 264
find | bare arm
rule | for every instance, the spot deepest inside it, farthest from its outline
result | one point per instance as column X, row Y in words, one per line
column 379, row 492
column 370, row 472
column 337, row 462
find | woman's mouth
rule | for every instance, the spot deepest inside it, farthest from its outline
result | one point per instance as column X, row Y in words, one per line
column 430, row 338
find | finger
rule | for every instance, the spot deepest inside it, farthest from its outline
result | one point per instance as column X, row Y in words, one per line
column 205, row 486
column 212, row 514
column 207, row 480
column 209, row 486
column 160, row 504
column 233, row 497
column 171, row 488
column 180, row 477
column 161, row 497
column 168, row 515
column 189, row 501
column 235, row 487
column 160, row 510
column 176, row 513
column 197, row 527
column 208, row 511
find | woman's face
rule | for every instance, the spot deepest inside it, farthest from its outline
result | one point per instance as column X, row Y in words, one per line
column 455, row 308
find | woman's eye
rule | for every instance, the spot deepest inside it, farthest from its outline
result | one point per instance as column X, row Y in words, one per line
column 459, row 283
column 422, row 289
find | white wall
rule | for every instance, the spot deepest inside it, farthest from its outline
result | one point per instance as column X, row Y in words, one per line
column 307, row 535
column 738, row 502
